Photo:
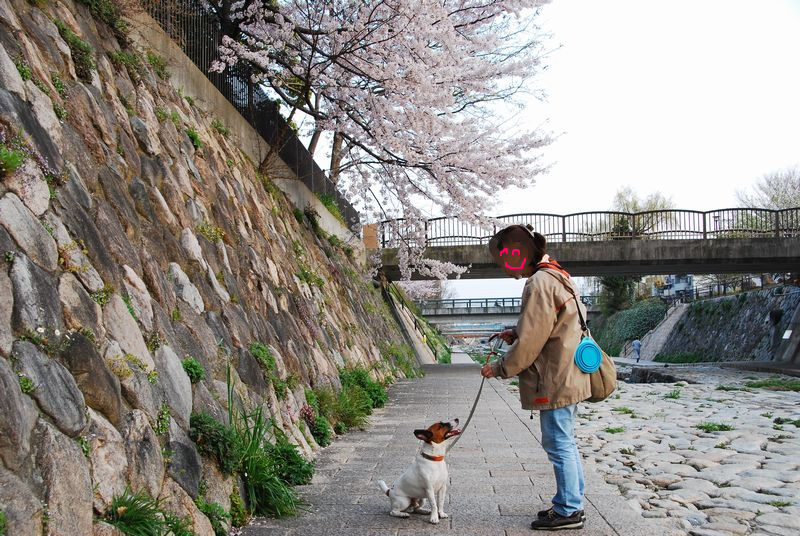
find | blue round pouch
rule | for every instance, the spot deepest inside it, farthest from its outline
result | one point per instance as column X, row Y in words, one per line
column 588, row 355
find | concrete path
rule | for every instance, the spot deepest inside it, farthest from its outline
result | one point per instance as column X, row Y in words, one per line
column 499, row 473
column 461, row 358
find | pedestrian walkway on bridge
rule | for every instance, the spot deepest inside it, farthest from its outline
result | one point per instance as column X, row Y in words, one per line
column 499, row 474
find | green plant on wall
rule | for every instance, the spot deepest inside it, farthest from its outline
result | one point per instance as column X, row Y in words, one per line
column 82, row 54
column 330, row 203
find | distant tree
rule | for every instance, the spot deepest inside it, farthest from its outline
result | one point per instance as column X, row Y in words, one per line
column 626, row 200
column 776, row 190
column 436, row 289
column 618, row 292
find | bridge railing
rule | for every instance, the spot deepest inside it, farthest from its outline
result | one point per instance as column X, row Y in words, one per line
column 672, row 224
column 482, row 303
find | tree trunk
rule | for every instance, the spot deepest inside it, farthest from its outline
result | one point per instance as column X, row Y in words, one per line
column 312, row 145
column 336, row 156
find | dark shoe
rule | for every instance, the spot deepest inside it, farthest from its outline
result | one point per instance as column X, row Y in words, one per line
column 544, row 513
column 555, row 521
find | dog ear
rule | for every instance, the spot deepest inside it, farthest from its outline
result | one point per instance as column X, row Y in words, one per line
column 423, row 435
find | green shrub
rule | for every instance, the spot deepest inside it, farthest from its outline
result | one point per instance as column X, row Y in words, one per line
column 215, row 440
column 190, row 100
column 215, row 513
column 361, row 378
column 673, row 395
column 162, row 421
column 195, row 137
column 287, row 463
column 103, row 296
column 10, row 160
column 136, row 514
column 688, row 357
column 61, row 113
column 347, row 409
column 266, row 492
column 129, row 304
column 629, row 324
column 81, row 51
column 310, row 278
column 321, row 430
column 239, row 514
column 194, row 369
column 330, row 203
column 161, row 113
column 159, row 65
column 402, row 356
column 131, row 61
column 615, row 429
column 211, row 232
column 109, row 12
column 220, row 127
column 3, row 523
column 263, row 356
column 714, row 427
column 26, row 384
column 775, row 384
column 23, row 69
column 58, row 83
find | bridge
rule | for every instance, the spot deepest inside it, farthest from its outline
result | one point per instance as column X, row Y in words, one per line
column 467, row 312
column 737, row 240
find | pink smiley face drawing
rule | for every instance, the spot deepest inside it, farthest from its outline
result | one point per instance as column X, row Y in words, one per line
column 513, row 253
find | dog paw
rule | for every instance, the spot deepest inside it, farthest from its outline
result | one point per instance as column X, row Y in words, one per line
column 435, row 520
column 423, row 511
column 443, row 515
column 399, row 514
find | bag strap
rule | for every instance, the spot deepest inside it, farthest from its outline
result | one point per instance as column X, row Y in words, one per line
column 584, row 327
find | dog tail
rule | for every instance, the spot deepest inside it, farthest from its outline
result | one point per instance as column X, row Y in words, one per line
column 384, row 487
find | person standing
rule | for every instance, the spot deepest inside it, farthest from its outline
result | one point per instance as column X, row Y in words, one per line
column 542, row 352
column 637, row 349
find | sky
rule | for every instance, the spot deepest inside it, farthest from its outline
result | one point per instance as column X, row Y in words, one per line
column 693, row 98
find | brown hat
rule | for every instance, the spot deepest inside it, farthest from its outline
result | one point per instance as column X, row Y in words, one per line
column 538, row 241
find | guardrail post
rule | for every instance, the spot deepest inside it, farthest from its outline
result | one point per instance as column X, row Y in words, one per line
column 777, row 224
column 383, row 235
column 705, row 233
column 563, row 228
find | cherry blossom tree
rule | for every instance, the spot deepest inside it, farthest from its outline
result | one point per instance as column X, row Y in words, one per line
column 413, row 94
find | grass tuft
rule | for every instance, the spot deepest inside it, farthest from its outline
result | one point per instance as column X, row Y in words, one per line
column 714, row 427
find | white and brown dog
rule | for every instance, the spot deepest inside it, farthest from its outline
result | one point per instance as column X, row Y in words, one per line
column 427, row 476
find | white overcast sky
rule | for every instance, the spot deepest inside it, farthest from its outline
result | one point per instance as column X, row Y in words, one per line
column 693, row 98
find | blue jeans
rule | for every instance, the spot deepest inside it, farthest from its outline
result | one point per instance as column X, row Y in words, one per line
column 558, row 440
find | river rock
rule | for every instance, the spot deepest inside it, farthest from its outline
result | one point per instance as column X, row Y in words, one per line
column 67, row 483
column 749, row 444
column 121, row 327
column 175, row 383
column 780, row 520
column 185, row 465
column 184, row 288
column 26, row 230
column 139, row 296
column 29, row 185
column 34, row 293
column 100, row 387
column 18, row 416
column 6, row 310
column 727, row 526
column 109, row 463
column 22, row 508
column 80, row 311
column 758, row 483
column 145, row 461
column 175, row 499
column 55, row 389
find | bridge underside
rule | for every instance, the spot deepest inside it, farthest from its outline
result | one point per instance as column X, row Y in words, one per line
column 633, row 257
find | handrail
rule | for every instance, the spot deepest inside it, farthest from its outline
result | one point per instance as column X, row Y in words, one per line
column 666, row 224
column 470, row 303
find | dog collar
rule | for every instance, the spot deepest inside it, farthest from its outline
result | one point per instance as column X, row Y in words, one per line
column 432, row 458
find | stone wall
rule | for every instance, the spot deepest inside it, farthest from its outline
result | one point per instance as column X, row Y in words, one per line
column 126, row 249
column 744, row 327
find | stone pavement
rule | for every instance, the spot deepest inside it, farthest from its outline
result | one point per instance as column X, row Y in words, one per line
column 499, row 474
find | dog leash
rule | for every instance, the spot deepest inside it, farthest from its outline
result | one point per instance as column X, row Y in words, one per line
column 474, row 405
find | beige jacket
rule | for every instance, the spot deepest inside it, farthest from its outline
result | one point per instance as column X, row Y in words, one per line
column 548, row 332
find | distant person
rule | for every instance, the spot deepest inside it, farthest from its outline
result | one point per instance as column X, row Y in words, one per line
column 637, row 349
column 542, row 354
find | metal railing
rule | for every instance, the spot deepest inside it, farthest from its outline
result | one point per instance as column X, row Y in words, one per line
column 199, row 35
column 483, row 303
column 670, row 224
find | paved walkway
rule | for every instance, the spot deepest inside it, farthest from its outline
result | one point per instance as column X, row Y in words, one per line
column 499, row 473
